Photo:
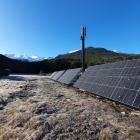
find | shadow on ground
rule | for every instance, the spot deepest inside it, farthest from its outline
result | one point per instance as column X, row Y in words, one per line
column 14, row 78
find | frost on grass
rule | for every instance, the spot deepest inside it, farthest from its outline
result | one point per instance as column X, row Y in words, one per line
column 44, row 109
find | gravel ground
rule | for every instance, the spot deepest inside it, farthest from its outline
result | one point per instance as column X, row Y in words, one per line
column 36, row 108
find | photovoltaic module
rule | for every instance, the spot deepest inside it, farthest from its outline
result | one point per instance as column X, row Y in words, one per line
column 57, row 75
column 118, row 81
column 70, row 76
column 52, row 75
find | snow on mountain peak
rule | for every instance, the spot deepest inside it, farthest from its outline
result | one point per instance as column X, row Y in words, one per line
column 115, row 51
column 25, row 57
column 73, row 51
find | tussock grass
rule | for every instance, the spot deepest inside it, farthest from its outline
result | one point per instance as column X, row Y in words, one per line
column 57, row 112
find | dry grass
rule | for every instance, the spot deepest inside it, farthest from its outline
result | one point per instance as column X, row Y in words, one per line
column 54, row 111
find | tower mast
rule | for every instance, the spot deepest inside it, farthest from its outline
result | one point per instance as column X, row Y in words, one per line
column 83, row 35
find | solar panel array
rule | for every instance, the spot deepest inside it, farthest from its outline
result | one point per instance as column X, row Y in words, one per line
column 58, row 75
column 70, row 76
column 118, row 81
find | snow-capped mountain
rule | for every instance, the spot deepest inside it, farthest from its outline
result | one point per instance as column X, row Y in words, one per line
column 116, row 51
column 25, row 57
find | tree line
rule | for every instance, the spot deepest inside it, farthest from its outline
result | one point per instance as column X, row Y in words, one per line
column 48, row 66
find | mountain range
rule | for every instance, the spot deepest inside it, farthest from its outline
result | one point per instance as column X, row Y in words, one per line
column 90, row 52
column 32, row 58
column 34, row 64
column 98, row 56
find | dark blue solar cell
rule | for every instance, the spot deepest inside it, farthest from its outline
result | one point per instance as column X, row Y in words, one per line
column 96, row 67
column 113, row 81
column 119, row 94
column 129, row 82
column 129, row 97
column 109, row 92
column 106, row 91
column 131, row 71
column 131, row 63
column 103, row 72
column 108, row 66
column 115, row 72
column 88, row 87
column 136, row 102
column 95, row 88
column 138, row 63
column 137, row 84
column 101, row 91
column 120, row 64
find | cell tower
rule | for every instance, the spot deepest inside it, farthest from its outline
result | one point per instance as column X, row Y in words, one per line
column 83, row 35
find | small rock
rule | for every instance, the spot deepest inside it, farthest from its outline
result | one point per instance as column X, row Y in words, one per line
column 2, row 104
column 123, row 113
column 47, row 126
column 100, row 119
column 135, row 113
column 59, row 95
column 69, row 129
column 1, row 107
column 68, row 100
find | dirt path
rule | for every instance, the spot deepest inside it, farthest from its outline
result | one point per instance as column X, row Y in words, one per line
column 40, row 108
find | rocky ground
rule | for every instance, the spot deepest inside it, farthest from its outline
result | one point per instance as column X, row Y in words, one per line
column 36, row 108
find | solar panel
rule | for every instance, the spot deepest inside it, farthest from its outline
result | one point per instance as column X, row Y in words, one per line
column 51, row 76
column 58, row 75
column 70, row 76
column 119, row 81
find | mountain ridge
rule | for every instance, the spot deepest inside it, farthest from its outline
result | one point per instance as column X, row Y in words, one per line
column 88, row 51
column 95, row 56
column 32, row 58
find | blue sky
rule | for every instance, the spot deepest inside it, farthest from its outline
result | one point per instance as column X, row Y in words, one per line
column 50, row 27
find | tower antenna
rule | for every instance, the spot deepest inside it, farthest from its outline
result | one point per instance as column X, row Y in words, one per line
column 83, row 35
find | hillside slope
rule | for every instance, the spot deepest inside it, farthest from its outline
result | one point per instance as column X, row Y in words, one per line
column 45, row 66
column 6, row 62
column 94, row 56
column 17, row 66
column 98, row 56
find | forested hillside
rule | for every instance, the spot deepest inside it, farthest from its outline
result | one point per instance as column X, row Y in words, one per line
column 94, row 56
column 98, row 56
